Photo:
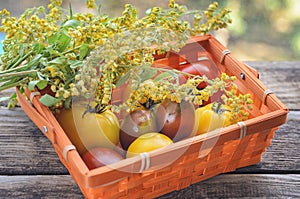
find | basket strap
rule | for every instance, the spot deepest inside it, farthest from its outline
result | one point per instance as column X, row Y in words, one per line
column 224, row 53
column 66, row 150
column 243, row 132
column 33, row 94
column 145, row 162
column 266, row 93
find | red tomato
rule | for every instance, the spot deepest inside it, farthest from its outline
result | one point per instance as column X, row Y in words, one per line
column 204, row 67
column 98, row 157
column 176, row 120
column 136, row 124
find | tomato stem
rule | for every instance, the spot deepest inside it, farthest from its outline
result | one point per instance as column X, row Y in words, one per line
column 217, row 108
column 149, row 103
column 98, row 109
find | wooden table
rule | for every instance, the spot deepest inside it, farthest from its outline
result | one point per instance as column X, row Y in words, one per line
column 30, row 168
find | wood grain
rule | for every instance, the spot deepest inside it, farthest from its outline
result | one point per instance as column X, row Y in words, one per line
column 242, row 186
column 23, row 148
column 46, row 186
column 223, row 186
column 283, row 78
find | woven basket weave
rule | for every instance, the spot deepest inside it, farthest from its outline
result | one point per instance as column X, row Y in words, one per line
column 156, row 173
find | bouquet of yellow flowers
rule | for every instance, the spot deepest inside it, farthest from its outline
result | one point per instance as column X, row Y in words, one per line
column 46, row 48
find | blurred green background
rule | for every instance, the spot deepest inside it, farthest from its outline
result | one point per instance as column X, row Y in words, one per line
column 262, row 30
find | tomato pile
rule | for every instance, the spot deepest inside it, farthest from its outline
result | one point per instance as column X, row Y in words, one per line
column 103, row 137
column 98, row 135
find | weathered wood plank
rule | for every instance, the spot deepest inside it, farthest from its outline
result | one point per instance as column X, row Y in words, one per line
column 25, row 150
column 6, row 93
column 240, row 186
column 223, row 186
column 48, row 186
column 283, row 155
column 283, row 78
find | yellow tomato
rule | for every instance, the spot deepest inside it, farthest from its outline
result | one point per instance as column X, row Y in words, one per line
column 148, row 142
column 90, row 130
column 212, row 116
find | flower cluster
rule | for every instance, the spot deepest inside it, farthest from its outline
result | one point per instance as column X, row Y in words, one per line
column 46, row 47
column 128, row 53
column 30, row 27
column 161, row 29
column 214, row 19
column 168, row 88
column 240, row 104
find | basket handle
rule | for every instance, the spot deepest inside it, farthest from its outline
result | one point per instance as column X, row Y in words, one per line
column 40, row 121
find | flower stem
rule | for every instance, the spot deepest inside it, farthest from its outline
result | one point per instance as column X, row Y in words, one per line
column 11, row 85
column 19, row 61
column 17, row 73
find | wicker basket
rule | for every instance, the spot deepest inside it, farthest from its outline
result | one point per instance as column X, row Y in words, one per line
column 156, row 173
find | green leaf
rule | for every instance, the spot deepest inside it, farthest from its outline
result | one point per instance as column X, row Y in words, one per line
column 63, row 41
column 44, row 61
column 53, row 38
column 38, row 48
column 147, row 73
column 67, row 103
column 75, row 63
column 41, row 84
column 58, row 61
column 162, row 76
column 41, row 76
column 123, row 79
column 72, row 23
column 134, row 15
column 23, row 50
column 31, row 85
column 10, row 84
column 21, row 91
column 6, row 98
column 48, row 100
column 2, row 99
column 71, row 10
column 83, row 51
column 35, row 61
column 148, row 11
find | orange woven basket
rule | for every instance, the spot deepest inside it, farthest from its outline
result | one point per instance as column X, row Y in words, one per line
column 201, row 157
